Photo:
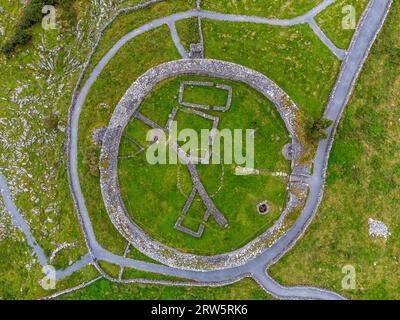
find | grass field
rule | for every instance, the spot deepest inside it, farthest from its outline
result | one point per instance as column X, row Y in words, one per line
column 189, row 32
column 283, row 9
column 20, row 274
column 110, row 86
column 128, row 21
column 363, row 183
column 292, row 57
column 36, row 85
column 330, row 21
column 102, row 289
column 150, row 49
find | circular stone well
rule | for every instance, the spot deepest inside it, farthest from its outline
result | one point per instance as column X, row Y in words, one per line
column 263, row 208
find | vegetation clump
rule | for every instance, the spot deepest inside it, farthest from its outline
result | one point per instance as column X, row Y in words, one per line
column 92, row 160
column 51, row 122
column 32, row 14
column 316, row 129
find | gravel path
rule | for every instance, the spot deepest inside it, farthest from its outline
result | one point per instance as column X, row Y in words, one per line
column 339, row 53
column 20, row 222
column 177, row 41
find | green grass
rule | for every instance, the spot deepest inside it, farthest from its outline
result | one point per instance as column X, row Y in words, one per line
column 157, row 212
column 33, row 159
column 187, row 120
column 113, row 270
column 188, row 31
column 32, row 15
column 301, row 81
column 293, row 57
column 102, row 289
column 137, row 255
column 283, row 9
column 16, row 280
column 162, row 48
column 130, row 273
column 194, row 216
column 110, row 269
column 209, row 96
column 9, row 19
column 331, row 19
column 363, row 182
column 150, row 49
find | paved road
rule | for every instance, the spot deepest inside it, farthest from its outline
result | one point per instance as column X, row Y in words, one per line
column 255, row 268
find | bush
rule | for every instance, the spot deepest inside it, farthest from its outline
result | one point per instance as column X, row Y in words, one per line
column 32, row 13
column 21, row 37
column 316, row 129
column 51, row 122
column 7, row 48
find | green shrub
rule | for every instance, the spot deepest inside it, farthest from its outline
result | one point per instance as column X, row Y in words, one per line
column 92, row 160
column 316, row 129
column 51, row 122
column 32, row 13
column 7, row 48
column 21, row 37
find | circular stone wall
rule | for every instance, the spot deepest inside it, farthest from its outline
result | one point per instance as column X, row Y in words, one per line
column 109, row 159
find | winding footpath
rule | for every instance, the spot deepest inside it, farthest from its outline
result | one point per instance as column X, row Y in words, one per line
column 23, row 226
column 366, row 32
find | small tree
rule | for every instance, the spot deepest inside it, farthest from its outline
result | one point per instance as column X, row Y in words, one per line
column 316, row 129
